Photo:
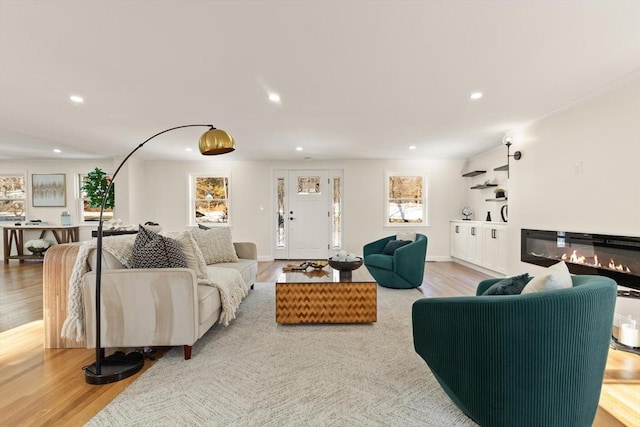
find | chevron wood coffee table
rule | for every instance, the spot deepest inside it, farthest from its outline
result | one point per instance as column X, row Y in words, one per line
column 319, row 296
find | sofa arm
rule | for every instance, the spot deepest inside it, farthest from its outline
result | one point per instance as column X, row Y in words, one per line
column 246, row 250
column 143, row 307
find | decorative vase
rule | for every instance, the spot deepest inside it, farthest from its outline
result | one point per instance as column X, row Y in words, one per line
column 488, row 216
column 500, row 194
column 503, row 213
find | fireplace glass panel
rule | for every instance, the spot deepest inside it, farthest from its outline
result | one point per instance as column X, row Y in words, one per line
column 617, row 257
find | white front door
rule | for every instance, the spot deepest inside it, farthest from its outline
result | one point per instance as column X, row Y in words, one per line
column 308, row 214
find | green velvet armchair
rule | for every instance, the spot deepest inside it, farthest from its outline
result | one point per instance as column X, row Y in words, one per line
column 402, row 270
column 520, row 360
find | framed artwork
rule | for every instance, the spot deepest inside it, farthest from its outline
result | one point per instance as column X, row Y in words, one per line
column 49, row 190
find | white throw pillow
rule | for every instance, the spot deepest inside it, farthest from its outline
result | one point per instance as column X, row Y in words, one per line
column 406, row 236
column 556, row 277
column 216, row 245
column 537, row 284
column 192, row 253
column 561, row 273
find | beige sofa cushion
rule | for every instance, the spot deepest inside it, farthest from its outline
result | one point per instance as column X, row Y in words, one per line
column 216, row 245
column 192, row 253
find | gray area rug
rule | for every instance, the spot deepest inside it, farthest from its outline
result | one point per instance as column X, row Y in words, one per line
column 257, row 373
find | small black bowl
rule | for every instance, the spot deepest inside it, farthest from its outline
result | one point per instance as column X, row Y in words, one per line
column 346, row 265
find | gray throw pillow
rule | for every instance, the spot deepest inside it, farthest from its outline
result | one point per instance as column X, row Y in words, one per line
column 151, row 250
column 392, row 245
column 508, row 286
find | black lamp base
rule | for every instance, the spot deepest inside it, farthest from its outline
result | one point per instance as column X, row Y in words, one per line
column 115, row 367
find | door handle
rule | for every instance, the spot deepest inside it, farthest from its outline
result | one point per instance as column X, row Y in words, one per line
column 291, row 218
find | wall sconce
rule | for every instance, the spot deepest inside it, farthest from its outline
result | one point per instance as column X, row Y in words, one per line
column 516, row 156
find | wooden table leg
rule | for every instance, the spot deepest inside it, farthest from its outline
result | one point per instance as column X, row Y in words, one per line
column 57, row 236
column 7, row 246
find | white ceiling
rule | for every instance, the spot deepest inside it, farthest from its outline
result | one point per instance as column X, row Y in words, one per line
column 358, row 79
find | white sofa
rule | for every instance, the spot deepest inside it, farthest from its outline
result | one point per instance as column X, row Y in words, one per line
column 166, row 307
column 144, row 307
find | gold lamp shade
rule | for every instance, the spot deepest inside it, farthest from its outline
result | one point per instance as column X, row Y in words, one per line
column 216, row 141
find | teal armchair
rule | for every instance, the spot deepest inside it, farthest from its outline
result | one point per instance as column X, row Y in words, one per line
column 520, row 360
column 402, row 270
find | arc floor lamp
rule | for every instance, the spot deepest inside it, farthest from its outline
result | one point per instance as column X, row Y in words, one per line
column 117, row 367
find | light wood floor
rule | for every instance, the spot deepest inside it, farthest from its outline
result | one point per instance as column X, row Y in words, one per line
column 45, row 387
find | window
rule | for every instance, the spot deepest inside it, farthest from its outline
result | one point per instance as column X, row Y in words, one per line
column 280, row 231
column 12, row 198
column 336, row 213
column 308, row 184
column 211, row 199
column 92, row 213
column 406, row 199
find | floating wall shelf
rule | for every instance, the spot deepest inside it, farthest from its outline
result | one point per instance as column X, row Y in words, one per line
column 497, row 199
column 502, row 168
column 481, row 186
column 473, row 173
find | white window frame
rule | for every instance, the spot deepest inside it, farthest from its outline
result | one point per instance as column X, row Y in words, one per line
column 192, row 197
column 425, row 199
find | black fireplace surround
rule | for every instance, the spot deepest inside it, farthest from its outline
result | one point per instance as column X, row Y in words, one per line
column 617, row 257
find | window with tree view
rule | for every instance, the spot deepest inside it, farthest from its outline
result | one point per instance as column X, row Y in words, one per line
column 12, row 198
column 96, row 183
column 406, row 199
column 211, row 199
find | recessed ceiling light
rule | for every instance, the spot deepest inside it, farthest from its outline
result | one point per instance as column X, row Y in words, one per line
column 188, row 149
column 412, row 147
column 476, row 95
column 77, row 99
column 57, row 150
column 275, row 98
column 298, row 148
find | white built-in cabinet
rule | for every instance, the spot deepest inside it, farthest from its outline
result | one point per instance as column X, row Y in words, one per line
column 480, row 243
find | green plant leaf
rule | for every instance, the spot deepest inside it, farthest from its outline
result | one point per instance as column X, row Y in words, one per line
column 95, row 185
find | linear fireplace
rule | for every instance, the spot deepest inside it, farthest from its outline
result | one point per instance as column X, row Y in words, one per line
column 617, row 257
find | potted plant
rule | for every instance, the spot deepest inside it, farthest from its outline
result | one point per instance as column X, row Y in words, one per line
column 500, row 193
column 95, row 185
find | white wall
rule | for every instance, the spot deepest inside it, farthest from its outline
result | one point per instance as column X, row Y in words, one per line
column 476, row 199
column 252, row 186
column 158, row 191
column 580, row 171
column 72, row 169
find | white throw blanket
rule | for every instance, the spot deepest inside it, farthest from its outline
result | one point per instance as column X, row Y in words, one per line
column 121, row 247
column 231, row 287
column 229, row 283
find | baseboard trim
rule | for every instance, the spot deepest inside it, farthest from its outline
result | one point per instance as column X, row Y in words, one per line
column 479, row 268
column 439, row 258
